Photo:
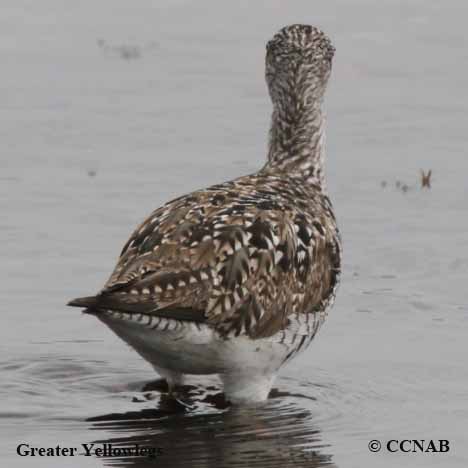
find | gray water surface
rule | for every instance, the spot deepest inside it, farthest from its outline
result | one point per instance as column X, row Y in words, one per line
column 111, row 108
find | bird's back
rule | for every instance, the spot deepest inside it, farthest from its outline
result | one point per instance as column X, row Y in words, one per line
column 241, row 256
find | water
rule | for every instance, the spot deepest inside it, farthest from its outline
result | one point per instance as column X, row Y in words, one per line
column 111, row 108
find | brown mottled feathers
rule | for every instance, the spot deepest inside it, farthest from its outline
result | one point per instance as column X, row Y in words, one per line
column 242, row 256
column 94, row 304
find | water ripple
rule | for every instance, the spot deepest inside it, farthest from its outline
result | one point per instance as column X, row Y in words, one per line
column 278, row 433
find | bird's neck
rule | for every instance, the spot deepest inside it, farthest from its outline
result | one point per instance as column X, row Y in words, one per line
column 297, row 141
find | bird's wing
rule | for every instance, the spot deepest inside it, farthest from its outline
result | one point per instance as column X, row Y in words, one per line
column 213, row 256
column 277, row 265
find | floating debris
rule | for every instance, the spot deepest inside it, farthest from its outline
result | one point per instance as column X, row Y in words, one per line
column 129, row 52
column 404, row 187
column 426, row 179
column 91, row 172
column 125, row 51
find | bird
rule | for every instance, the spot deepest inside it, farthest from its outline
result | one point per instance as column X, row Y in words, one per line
column 236, row 279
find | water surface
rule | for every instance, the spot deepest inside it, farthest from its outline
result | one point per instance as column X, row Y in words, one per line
column 109, row 109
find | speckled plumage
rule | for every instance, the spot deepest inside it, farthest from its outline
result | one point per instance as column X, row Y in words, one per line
column 244, row 260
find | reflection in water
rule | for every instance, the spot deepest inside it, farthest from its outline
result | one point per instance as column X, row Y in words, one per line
column 205, row 433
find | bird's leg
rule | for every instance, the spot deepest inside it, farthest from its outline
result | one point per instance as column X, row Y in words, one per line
column 172, row 379
column 240, row 388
